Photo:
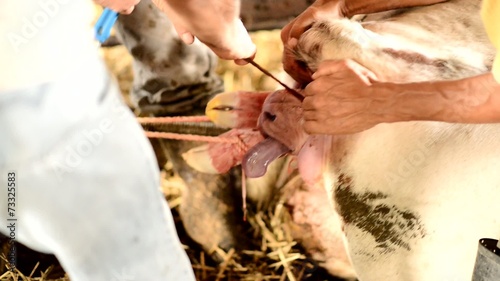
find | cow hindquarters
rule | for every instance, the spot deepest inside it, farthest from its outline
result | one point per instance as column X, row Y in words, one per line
column 415, row 198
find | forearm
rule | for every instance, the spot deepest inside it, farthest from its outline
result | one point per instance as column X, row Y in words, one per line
column 355, row 7
column 470, row 100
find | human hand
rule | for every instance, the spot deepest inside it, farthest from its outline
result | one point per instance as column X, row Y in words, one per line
column 294, row 29
column 341, row 99
column 121, row 6
column 216, row 23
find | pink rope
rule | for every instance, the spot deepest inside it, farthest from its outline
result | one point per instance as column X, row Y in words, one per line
column 189, row 137
column 176, row 119
column 186, row 137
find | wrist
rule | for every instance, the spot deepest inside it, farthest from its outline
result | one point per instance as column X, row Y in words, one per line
column 469, row 100
column 445, row 101
column 385, row 103
column 411, row 102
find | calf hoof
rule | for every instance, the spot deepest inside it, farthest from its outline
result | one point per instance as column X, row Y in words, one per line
column 220, row 157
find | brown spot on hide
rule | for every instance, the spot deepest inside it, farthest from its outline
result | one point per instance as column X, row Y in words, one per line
column 414, row 58
column 390, row 226
column 141, row 53
column 446, row 68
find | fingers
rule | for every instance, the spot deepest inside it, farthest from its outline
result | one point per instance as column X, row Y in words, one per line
column 128, row 11
column 289, row 36
column 285, row 32
column 330, row 67
column 333, row 67
column 238, row 43
column 317, row 87
column 310, row 103
column 364, row 73
column 121, row 6
column 215, row 23
column 183, row 33
column 304, row 21
column 297, row 70
column 187, row 37
column 337, row 100
column 301, row 26
column 313, row 126
column 232, row 42
column 244, row 61
column 298, row 26
column 315, row 119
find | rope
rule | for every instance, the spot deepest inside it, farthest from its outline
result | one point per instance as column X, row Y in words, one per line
column 185, row 137
column 241, row 146
column 176, row 119
column 189, row 137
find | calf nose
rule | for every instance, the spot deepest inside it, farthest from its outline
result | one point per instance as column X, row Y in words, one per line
column 269, row 116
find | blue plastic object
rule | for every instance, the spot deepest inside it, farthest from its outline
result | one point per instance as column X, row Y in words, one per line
column 104, row 24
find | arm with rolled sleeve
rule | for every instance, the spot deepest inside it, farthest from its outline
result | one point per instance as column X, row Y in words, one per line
column 345, row 85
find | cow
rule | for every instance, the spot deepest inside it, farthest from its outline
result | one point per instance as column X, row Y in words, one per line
column 410, row 199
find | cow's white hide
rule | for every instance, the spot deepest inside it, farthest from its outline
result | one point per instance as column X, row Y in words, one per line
column 415, row 197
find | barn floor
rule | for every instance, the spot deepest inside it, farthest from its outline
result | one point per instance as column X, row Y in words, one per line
column 276, row 257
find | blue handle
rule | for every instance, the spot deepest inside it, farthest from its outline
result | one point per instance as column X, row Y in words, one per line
column 104, row 24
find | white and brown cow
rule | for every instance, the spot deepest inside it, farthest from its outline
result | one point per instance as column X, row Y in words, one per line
column 413, row 198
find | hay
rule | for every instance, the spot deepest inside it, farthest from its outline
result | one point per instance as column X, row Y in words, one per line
column 278, row 258
column 18, row 275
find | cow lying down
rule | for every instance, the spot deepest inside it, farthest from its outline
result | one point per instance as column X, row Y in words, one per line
column 410, row 199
